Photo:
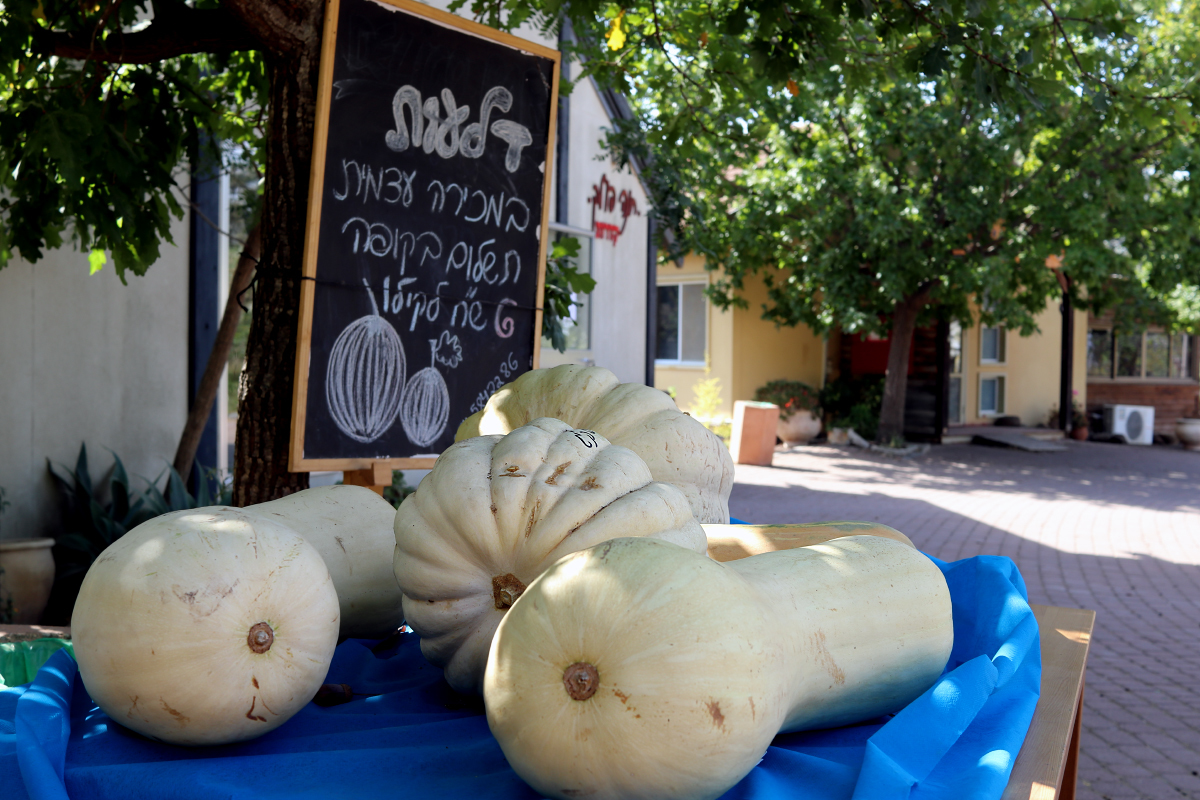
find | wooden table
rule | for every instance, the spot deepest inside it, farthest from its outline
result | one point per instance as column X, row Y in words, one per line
column 1047, row 765
column 26, row 633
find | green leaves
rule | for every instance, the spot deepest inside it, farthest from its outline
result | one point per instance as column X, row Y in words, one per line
column 564, row 282
column 93, row 152
column 95, row 516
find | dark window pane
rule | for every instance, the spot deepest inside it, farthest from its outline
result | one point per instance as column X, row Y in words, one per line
column 1129, row 355
column 1099, row 354
column 989, row 344
column 955, row 400
column 692, row 334
column 668, row 323
column 1157, row 352
column 987, row 396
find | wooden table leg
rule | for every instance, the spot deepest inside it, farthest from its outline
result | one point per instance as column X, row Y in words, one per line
column 1071, row 773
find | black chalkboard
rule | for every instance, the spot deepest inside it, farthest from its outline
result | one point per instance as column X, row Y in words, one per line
column 426, row 245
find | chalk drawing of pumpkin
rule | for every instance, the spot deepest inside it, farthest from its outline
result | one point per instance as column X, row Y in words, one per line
column 364, row 382
column 425, row 408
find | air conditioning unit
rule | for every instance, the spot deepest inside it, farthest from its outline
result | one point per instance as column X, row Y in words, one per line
column 1134, row 424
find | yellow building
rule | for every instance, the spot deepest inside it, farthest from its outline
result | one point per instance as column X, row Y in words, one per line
column 1004, row 374
column 698, row 341
column 987, row 372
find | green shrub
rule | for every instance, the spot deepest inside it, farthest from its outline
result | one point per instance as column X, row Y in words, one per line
column 854, row 403
column 399, row 489
column 790, row 396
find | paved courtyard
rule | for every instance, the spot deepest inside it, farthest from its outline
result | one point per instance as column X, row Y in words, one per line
column 1106, row 527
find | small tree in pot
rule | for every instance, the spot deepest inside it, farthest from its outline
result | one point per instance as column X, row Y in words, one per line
column 799, row 409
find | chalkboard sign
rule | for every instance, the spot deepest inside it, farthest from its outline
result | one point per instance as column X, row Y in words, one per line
column 425, row 254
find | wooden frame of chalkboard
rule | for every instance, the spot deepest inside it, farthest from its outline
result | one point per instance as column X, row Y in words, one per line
column 414, row 191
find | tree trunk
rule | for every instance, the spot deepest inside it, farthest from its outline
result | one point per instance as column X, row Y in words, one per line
column 206, row 393
column 895, row 386
column 265, row 393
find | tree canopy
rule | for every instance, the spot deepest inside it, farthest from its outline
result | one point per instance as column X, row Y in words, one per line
column 100, row 104
column 882, row 166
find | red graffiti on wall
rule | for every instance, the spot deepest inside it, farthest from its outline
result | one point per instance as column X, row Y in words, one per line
column 606, row 200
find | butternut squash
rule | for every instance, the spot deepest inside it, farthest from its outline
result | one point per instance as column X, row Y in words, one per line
column 731, row 542
column 639, row 669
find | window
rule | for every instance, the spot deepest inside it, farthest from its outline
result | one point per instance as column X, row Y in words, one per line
column 1129, row 356
column 991, row 395
column 1149, row 355
column 955, row 400
column 1099, row 353
column 682, row 323
column 991, row 345
column 578, row 327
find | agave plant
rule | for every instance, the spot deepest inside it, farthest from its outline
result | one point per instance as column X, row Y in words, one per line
column 97, row 514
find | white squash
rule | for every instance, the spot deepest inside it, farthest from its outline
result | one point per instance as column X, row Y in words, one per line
column 498, row 510
column 637, row 669
column 731, row 542
column 351, row 527
column 678, row 449
column 205, row 626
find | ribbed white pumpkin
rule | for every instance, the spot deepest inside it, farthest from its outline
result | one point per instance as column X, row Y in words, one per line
column 498, row 510
column 351, row 527
column 637, row 669
column 205, row 626
column 678, row 449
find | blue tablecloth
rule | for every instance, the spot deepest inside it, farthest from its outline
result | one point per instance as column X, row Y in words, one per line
column 418, row 739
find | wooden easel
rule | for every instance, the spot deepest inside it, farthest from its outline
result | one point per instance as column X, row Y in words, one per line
column 376, row 478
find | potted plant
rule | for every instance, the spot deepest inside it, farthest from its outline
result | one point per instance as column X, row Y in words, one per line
column 1079, row 421
column 1187, row 429
column 26, row 575
column 799, row 410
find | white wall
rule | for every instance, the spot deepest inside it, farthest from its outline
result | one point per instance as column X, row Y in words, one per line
column 85, row 359
column 618, row 311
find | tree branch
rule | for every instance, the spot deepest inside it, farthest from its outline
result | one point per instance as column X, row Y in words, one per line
column 180, row 32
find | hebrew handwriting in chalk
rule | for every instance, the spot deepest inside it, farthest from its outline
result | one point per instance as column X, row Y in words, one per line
column 364, row 381
column 425, row 408
column 433, row 132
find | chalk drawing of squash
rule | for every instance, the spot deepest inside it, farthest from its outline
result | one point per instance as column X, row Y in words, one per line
column 426, row 405
column 364, row 382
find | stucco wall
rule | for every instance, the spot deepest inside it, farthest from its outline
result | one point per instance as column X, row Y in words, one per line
column 744, row 351
column 1031, row 368
column 765, row 352
column 86, row 359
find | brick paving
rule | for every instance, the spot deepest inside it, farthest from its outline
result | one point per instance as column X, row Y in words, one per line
column 1107, row 527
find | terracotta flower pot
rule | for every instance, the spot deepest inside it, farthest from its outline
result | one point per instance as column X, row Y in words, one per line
column 28, row 574
column 1079, row 433
column 1187, row 430
column 799, row 428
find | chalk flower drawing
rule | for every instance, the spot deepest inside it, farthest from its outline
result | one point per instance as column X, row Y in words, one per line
column 447, row 351
column 426, row 405
column 364, row 382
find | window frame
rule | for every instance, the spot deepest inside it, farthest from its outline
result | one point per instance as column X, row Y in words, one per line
column 1190, row 360
column 1001, row 344
column 1001, row 394
column 680, row 362
column 557, row 229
